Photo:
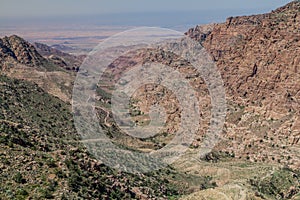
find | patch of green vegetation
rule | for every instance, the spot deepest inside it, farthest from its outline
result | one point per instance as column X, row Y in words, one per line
column 281, row 184
column 105, row 95
column 217, row 156
column 18, row 178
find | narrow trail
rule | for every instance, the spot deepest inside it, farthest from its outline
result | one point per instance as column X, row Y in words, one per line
column 93, row 140
column 106, row 117
column 106, row 111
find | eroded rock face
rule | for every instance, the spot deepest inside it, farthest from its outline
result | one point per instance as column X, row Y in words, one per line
column 200, row 33
column 258, row 57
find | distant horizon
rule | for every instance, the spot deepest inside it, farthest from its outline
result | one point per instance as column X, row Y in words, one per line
column 47, row 8
column 167, row 13
column 89, row 29
column 167, row 19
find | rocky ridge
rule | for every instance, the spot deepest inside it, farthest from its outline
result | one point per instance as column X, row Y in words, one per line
column 15, row 49
column 64, row 60
column 51, row 69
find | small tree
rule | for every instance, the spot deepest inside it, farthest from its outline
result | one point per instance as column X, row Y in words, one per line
column 18, row 178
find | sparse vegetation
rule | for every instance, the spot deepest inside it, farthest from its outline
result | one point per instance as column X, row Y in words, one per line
column 40, row 149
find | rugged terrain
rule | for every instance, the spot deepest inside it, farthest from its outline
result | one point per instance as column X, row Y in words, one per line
column 41, row 153
column 51, row 69
column 64, row 60
column 257, row 157
column 258, row 57
column 258, row 60
column 259, row 63
column 42, row 157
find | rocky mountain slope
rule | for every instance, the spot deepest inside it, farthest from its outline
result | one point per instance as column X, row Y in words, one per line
column 41, row 156
column 64, row 60
column 258, row 57
column 14, row 49
column 257, row 158
column 51, row 69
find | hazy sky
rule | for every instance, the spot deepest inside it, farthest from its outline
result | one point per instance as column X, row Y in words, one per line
column 50, row 8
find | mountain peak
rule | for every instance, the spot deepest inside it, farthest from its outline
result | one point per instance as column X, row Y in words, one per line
column 14, row 49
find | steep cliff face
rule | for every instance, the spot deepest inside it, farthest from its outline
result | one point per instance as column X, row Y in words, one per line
column 258, row 48
column 258, row 57
column 261, row 51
